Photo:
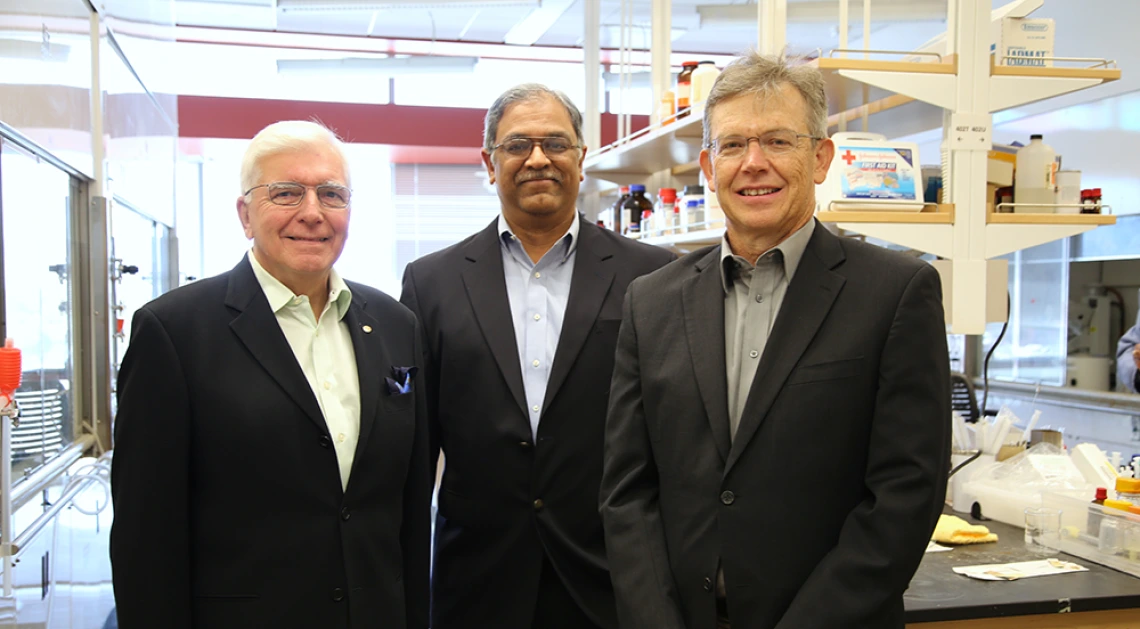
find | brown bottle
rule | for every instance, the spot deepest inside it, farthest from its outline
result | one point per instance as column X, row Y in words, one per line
column 635, row 207
column 685, row 88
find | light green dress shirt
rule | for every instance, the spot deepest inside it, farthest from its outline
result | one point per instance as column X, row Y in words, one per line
column 324, row 351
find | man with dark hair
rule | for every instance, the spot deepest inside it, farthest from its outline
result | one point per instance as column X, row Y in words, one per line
column 520, row 322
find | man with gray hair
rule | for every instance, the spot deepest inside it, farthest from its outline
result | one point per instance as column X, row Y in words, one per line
column 778, row 434
column 520, row 322
column 271, row 444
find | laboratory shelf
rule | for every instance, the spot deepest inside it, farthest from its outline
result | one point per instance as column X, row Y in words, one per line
column 941, row 214
column 1050, row 219
column 687, row 241
column 657, row 149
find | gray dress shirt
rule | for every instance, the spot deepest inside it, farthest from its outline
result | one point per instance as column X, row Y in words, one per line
column 538, row 293
column 753, row 293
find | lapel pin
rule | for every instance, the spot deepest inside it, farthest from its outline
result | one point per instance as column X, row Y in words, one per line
column 367, row 329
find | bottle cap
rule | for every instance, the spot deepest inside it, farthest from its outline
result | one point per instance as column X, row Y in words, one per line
column 689, row 64
column 1128, row 485
column 623, row 189
column 667, row 195
column 693, row 190
column 636, row 188
column 1101, row 493
column 1036, row 136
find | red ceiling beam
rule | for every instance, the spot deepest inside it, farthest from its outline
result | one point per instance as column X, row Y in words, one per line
column 394, row 125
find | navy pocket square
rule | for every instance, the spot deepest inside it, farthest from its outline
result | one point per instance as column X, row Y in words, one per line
column 400, row 381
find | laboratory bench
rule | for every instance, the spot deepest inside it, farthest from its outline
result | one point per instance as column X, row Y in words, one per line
column 939, row 598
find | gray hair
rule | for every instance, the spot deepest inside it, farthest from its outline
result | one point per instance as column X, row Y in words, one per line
column 286, row 136
column 759, row 74
column 522, row 93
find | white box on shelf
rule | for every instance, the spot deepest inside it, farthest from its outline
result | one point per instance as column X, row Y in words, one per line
column 1026, row 42
column 871, row 173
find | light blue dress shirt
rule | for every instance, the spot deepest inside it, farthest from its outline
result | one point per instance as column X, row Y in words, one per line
column 538, row 293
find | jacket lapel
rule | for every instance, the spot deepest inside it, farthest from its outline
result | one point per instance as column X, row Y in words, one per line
column 808, row 300
column 702, row 297
column 487, row 290
column 589, row 285
column 257, row 328
column 372, row 358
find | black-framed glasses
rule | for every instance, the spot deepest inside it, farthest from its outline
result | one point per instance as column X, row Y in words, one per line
column 773, row 143
column 291, row 193
column 552, row 146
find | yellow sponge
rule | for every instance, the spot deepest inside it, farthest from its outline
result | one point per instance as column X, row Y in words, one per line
column 954, row 530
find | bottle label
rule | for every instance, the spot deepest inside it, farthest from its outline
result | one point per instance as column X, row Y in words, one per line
column 684, row 91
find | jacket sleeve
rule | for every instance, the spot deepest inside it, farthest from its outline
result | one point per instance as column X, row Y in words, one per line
column 635, row 538
column 150, row 537
column 883, row 539
column 1125, row 363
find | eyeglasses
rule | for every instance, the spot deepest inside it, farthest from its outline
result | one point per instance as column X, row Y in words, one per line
column 290, row 194
column 552, row 146
column 773, row 143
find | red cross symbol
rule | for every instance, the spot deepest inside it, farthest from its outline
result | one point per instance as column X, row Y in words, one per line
column 848, row 157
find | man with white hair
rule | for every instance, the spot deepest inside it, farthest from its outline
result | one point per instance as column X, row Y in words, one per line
column 271, row 449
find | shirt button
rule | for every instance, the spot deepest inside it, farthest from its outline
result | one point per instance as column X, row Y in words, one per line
column 537, row 275
column 337, row 595
column 524, row 445
column 537, row 317
column 340, row 438
column 536, row 363
column 345, row 514
column 708, row 584
column 727, row 497
column 538, row 504
column 759, row 299
column 534, row 408
column 754, row 353
column 327, row 386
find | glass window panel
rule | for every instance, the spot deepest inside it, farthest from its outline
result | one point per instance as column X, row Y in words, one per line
column 1036, row 341
column 35, row 202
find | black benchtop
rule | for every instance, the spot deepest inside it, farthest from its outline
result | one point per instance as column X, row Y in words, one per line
column 937, row 593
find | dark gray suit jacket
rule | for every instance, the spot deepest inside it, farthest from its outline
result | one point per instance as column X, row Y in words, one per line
column 820, row 509
column 505, row 502
column 229, row 508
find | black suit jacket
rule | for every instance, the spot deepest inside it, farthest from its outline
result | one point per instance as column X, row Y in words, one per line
column 491, row 530
column 820, row 509
column 229, row 508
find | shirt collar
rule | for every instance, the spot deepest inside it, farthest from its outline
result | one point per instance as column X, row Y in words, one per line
column 792, row 248
column 280, row 296
column 570, row 238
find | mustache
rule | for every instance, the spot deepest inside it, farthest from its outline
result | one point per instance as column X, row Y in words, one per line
column 531, row 175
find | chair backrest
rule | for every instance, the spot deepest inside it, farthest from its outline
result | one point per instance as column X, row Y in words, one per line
column 963, row 398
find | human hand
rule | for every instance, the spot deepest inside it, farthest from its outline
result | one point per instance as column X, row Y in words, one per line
column 1136, row 355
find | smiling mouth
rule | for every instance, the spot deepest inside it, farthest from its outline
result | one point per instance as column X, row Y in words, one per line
column 301, row 239
column 758, row 192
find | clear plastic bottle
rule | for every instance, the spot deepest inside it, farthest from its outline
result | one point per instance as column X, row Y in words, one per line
column 703, row 78
column 1035, row 180
column 663, row 211
column 666, row 108
column 1128, row 489
column 635, row 206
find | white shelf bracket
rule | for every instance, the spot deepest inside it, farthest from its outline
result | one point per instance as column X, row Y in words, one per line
column 937, row 89
column 935, row 239
column 1014, row 91
column 1003, row 238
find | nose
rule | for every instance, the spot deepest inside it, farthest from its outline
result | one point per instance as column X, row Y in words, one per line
column 537, row 157
column 755, row 158
column 310, row 208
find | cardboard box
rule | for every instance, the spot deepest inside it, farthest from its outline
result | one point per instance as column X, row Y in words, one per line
column 999, row 168
column 1026, row 42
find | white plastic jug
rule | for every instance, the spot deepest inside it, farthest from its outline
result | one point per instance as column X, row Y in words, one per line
column 1035, row 180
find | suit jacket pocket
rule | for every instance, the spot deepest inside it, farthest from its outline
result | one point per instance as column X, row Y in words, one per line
column 830, row 370
column 398, row 402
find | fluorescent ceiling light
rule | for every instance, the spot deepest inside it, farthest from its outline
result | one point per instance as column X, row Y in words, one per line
column 375, row 5
column 535, row 25
column 378, row 66
column 825, row 11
